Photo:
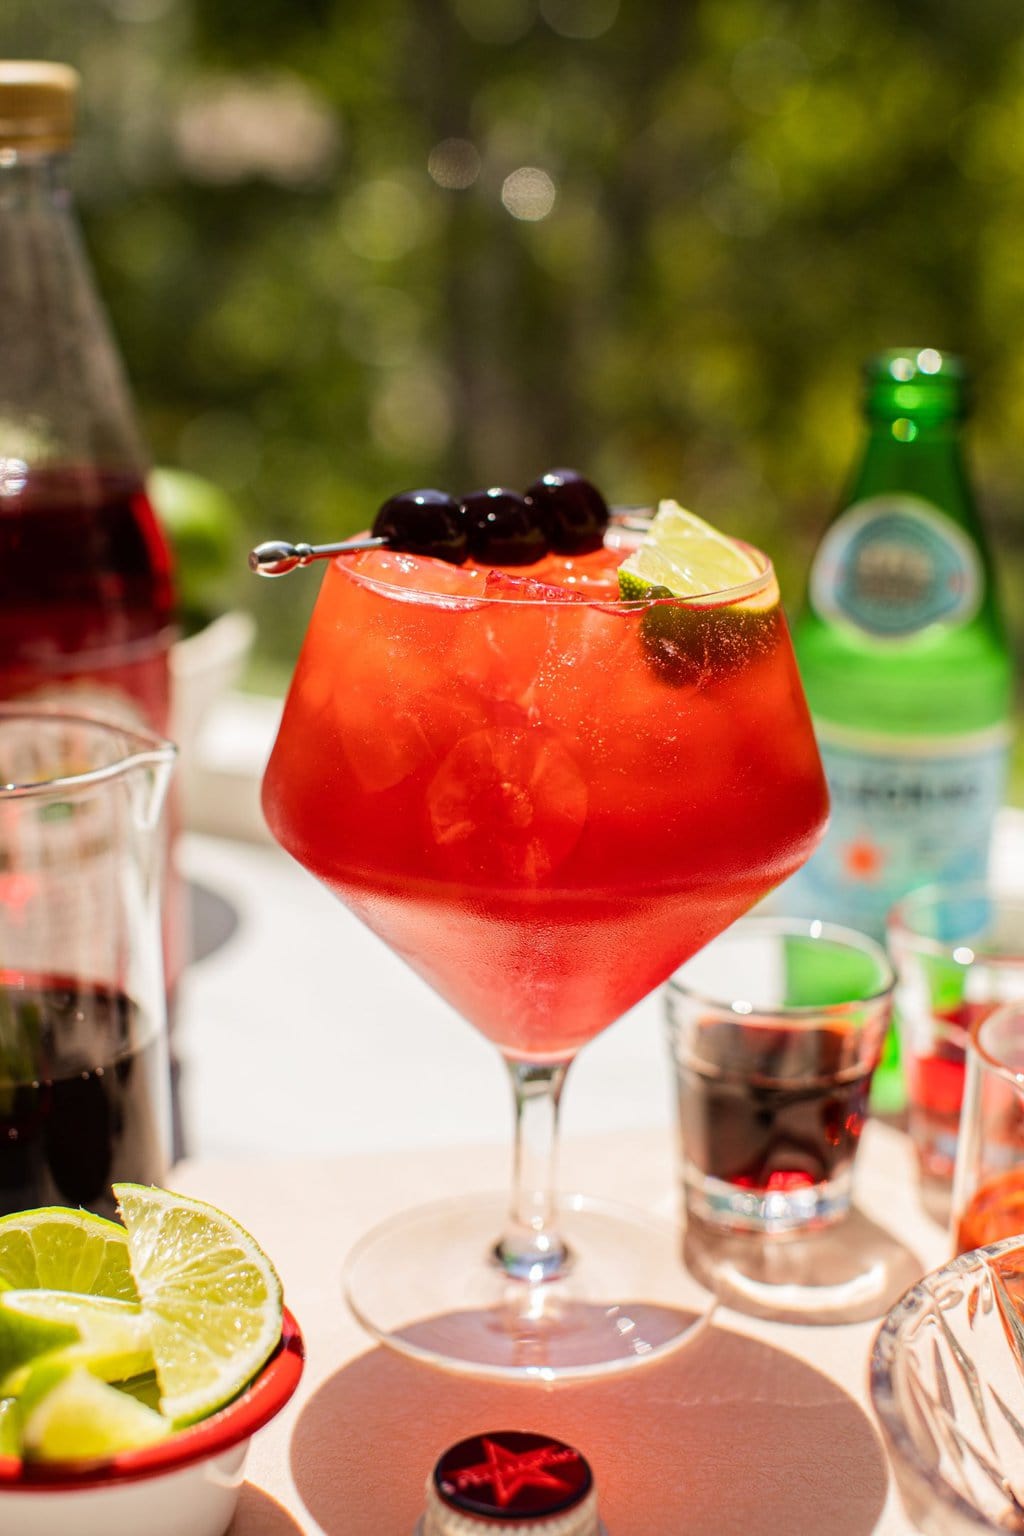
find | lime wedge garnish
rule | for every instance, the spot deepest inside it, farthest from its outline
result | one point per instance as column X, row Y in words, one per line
column 107, row 1337
column 687, row 556
column 689, row 644
column 64, row 1250
column 210, row 1293
column 79, row 1418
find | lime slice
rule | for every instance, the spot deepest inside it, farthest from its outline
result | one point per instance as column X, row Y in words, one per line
column 80, row 1418
column 107, row 1337
column 10, row 1427
column 691, row 644
column 65, row 1250
column 24, row 1335
column 687, row 556
column 211, row 1295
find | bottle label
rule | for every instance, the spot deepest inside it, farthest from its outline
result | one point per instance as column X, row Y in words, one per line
column 892, row 565
column 905, row 812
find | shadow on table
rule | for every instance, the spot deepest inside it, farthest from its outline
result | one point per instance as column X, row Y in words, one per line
column 728, row 1435
column 212, row 921
column 850, row 1273
column 260, row 1515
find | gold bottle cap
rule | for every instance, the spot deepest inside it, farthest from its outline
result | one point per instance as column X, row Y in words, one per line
column 37, row 105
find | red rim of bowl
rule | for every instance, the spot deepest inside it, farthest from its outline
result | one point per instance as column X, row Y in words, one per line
column 250, row 1411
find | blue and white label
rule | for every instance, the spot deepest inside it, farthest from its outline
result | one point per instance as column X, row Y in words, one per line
column 892, row 565
column 905, row 812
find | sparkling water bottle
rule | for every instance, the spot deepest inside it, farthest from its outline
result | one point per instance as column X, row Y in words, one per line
column 904, row 657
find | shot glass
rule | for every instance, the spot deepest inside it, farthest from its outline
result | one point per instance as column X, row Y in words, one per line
column 959, row 953
column 775, row 1029
column 988, row 1183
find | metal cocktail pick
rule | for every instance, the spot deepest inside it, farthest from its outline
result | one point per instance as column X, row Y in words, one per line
column 277, row 557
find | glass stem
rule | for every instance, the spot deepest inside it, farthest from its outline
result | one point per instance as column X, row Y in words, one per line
column 531, row 1248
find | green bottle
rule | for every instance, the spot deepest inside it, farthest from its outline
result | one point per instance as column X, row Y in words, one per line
column 904, row 657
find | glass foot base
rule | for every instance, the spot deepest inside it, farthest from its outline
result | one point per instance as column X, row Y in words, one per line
column 849, row 1272
column 426, row 1283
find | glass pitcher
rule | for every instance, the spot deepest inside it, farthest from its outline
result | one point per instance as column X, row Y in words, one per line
column 84, row 1078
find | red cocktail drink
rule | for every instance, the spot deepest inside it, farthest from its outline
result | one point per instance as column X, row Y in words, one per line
column 543, row 798
column 513, row 796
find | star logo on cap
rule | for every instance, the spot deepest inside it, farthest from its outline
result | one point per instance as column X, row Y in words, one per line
column 509, row 1471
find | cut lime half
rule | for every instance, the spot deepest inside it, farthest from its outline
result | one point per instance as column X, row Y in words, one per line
column 65, row 1250
column 211, row 1295
column 685, row 555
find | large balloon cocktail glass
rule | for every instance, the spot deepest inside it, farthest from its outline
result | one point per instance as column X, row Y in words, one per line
column 544, row 799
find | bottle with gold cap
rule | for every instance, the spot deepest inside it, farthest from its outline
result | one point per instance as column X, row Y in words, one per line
column 86, row 594
column 86, row 597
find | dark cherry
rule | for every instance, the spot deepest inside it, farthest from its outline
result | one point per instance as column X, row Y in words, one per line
column 424, row 523
column 502, row 528
column 571, row 511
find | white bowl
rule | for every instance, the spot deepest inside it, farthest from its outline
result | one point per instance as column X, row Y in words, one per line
column 188, row 1483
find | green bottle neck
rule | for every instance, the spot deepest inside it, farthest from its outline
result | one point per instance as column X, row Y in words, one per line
column 946, row 679
column 930, row 465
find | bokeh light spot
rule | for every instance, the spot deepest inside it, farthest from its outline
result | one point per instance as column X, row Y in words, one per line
column 579, row 18
column 929, row 361
column 904, row 430
column 528, row 193
column 412, row 414
column 496, row 21
column 382, row 220
column 272, row 126
column 770, row 74
column 454, row 164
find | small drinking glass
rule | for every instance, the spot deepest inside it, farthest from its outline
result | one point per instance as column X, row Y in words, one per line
column 84, row 1081
column 776, row 1028
column 988, row 1183
column 959, row 953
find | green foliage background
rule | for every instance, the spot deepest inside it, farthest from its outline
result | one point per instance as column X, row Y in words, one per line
column 749, row 196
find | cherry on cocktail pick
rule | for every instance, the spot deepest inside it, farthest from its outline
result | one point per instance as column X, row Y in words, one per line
column 277, row 558
column 561, row 511
column 418, row 522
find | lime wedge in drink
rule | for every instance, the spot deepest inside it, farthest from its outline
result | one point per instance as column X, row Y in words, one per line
column 682, row 556
column 681, row 552
column 108, row 1337
column 65, row 1250
column 79, row 1418
column 212, row 1298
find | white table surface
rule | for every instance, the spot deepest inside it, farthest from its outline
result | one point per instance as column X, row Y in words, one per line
column 326, row 1086
column 759, row 1428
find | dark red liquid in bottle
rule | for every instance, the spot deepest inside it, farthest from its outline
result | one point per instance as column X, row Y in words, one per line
column 86, row 599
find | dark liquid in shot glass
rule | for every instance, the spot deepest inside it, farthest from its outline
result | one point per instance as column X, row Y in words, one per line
column 772, row 1109
column 82, row 1093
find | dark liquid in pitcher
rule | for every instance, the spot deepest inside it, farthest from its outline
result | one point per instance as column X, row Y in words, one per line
column 83, row 1077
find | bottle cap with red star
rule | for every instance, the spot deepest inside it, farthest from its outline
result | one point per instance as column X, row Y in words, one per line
column 510, row 1481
